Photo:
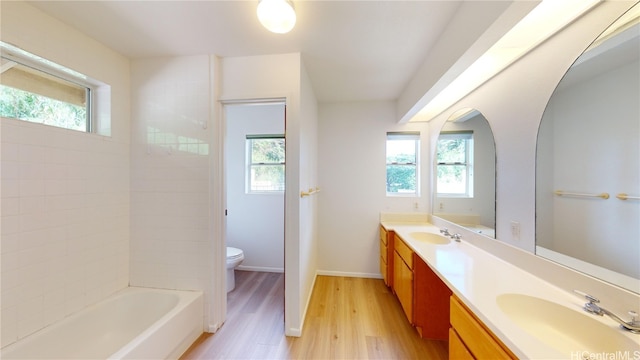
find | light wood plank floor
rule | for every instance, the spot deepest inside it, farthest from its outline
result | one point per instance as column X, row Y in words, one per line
column 348, row 318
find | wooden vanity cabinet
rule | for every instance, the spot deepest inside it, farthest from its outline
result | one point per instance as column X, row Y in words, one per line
column 386, row 255
column 431, row 302
column 469, row 338
column 403, row 276
column 422, row 294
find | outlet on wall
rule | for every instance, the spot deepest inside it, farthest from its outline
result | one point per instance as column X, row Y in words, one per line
column 515, row 230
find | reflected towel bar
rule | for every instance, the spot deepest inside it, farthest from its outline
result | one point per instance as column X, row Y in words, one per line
column 564, row 193
column 623, row 196
column 310, row 192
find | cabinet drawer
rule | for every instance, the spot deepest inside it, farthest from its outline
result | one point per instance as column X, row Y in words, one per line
column 383, row 235
column 457, row 350
column 475, row 336
column 404, row 251
column 383, row 252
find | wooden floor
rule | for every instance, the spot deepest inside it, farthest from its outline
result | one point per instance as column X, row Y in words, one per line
column 348, row 318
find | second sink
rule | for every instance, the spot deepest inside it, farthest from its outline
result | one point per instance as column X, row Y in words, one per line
column 568, row 331
column 430, row 238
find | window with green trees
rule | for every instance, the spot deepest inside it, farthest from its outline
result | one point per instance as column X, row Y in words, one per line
column 454, row 164
column 36, row 90
column 402, row 163
column 265, row 163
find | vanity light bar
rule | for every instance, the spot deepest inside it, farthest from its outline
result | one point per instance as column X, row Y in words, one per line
column 547, row 18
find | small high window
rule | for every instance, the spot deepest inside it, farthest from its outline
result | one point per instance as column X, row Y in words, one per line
column 37, row 90
column 402, row 163
column 455, row 164
column 265, row 163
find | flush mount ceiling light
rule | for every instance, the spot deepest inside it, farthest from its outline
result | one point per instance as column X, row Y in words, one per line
column 277, row 16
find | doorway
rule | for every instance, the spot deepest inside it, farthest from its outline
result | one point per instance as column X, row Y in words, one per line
column 254, row 191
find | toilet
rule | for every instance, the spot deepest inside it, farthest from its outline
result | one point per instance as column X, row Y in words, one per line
column 234, row 258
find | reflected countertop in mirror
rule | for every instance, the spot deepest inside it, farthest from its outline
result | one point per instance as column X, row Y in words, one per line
column 465, row 170
column 588, row 161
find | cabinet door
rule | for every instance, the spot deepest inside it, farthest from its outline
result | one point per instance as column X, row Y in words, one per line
column 403, row 284
column 431, row 302
column 457, row 350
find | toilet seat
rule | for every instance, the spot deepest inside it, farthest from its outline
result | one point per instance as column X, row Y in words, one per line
column 233, row 253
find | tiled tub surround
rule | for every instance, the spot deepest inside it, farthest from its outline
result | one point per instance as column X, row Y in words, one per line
column 135, row 323
column 65, row 223
column 477, row 277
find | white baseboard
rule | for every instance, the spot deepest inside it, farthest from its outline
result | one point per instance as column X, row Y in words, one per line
column 350, row 274
column 259, row 268
column 213, row 328
column 293, row 332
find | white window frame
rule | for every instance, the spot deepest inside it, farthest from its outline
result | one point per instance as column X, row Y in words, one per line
column 250, row 163
column 467, row 136
column 404, row 136
column 15, row 55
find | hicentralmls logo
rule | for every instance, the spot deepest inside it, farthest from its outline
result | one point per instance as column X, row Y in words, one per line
column 616, row 355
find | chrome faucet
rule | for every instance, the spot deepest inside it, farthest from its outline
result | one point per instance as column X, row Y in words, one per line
column 456, row 237
column 445, row 232
column 632, row 325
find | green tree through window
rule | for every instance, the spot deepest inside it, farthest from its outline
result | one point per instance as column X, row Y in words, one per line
column 402, row 163
column 454, row 159
column 23, row 105
column 266, row 171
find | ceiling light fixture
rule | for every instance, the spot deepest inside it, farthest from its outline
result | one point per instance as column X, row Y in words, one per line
column 277, row 16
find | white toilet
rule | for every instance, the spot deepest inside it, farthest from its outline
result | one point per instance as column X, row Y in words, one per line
column 234, row 258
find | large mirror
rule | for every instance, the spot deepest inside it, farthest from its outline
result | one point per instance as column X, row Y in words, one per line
column 588, row 161
column 465, row 173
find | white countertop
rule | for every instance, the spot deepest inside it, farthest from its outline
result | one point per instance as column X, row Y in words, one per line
column 478, row 277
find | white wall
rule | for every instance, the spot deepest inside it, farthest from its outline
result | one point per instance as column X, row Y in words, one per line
column 65, row 194
column 352, row 171
column 171, row 146
column 284, row 76
column 255, row 222
column 308, row 221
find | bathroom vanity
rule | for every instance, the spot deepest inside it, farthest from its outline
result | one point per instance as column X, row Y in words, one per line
column 423, row 296
column 486, row 307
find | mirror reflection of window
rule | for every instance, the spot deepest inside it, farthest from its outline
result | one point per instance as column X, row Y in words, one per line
column 455, row 164
column 464, row 173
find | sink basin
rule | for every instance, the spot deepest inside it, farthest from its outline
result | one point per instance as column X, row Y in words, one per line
column 430, row 238
column 568, row 331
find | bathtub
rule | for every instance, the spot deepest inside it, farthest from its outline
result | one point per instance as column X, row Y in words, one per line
column 135, row 323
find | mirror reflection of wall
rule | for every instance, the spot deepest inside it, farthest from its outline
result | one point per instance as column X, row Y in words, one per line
column 588, row 145
column 465, row 173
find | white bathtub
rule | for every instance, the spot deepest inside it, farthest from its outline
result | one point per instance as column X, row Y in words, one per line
column 135, row 323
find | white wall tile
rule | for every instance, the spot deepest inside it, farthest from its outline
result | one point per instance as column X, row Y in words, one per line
column 65, row 223
column 169, row 182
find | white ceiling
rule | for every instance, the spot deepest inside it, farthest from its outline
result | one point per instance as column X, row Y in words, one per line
column 352, row 50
